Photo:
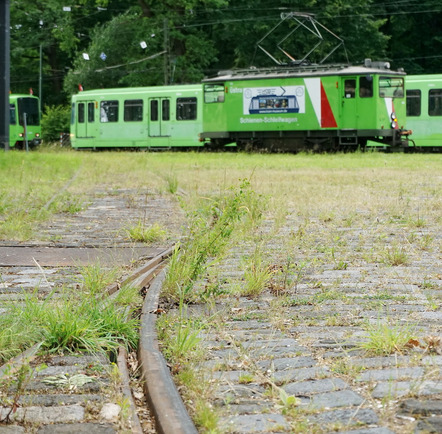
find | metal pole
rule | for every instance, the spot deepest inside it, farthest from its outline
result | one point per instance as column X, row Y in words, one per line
column 166, row 55
column 4, row 73
column 40, row 98
column 25, row 125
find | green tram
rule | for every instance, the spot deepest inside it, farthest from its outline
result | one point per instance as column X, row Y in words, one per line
column 142, row 117
column 313, row 107
column 24, row 121
column 424, row 110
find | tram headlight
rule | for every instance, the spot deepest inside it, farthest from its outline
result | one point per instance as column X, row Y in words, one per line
column 393, row 116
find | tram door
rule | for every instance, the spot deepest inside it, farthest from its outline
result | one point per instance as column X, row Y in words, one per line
column 85, row 118
column 349, row 113
column 159, row 121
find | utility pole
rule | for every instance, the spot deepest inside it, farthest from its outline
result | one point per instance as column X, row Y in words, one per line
column 4, row 72
column 166, row 54
column 40, row 87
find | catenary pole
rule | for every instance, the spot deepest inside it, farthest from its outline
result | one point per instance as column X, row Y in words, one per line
column 4, row 72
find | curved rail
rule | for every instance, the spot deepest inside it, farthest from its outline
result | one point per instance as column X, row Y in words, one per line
column 164, row 400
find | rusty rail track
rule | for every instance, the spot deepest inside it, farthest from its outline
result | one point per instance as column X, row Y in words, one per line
column 162, row 396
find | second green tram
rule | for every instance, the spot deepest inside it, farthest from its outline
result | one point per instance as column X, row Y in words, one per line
column 314, row 107
column 24, row 121
column 140, row 117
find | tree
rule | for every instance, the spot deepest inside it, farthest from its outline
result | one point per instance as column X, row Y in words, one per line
column 416, row 35
column 58, row 31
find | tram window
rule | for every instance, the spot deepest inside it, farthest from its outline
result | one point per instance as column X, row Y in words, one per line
column 350, row 88
column 391, row 87
column 153, row 110
column 81, row 113
column 213, row 93
column 413, row 102
column 12, row 115
column 186, row 109
column 435, row 102
column 109, row 111
column 90, row 112
column 133, row 110
column 73, row 113
column 165, row 105
column 29, row 106
column 366, row 86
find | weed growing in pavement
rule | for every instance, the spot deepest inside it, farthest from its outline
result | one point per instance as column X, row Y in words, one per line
column 94, row 278
column 70, row 322
column 257, row 274
column 385, row 338
column 88, row 325
column 425, row 242
column 205, row 416
column 288, row 402
column 211, row 228
column 16, row 381
column 172, row 183
column 395, row 256
column 146, row 234
column 67, row 203
column 196, row 389
column 179, row 334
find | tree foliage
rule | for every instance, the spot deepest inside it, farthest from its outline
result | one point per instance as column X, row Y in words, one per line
column 186, row 40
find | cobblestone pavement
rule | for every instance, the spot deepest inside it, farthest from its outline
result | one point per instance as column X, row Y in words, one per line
column 302, row 342
column 55, row 400
column 306, row 340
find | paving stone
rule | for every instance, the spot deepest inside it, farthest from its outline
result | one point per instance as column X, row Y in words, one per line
column 227, row 354
column 59, row 370
column 58, row 399
column 256, row 423
column 235, row 391
column 77, row 428
column 402, row 388
column 248, row 325
column 424, row 407
column 429, row 425
column 380, row 430
column 378, row 362
column 315, row 386
column 14, row 429
column 341, row 398
column 248, row 407
column 390, row 374
column 230, row 376
column 347, row 417
column 286, row 363
column 61, row 414
column 35, row 386
column 290, row 375
column 273, row 347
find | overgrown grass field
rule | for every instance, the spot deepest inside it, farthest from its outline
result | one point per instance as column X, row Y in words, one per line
column 36, row 184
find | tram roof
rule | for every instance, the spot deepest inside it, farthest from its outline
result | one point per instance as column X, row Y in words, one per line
column 378, row 68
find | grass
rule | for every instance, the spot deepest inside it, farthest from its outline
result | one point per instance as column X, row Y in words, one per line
column 73, row 321
column 385, row 338
column 148, row 234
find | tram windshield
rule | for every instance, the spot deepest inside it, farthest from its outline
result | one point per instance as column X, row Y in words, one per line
column 213, row 93
column 391, row 87
column 30, row 107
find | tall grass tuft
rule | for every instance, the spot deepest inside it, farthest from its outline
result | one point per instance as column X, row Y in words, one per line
column 211, row 228
column 146, row 234
column 385, row 338
column 257, row 275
